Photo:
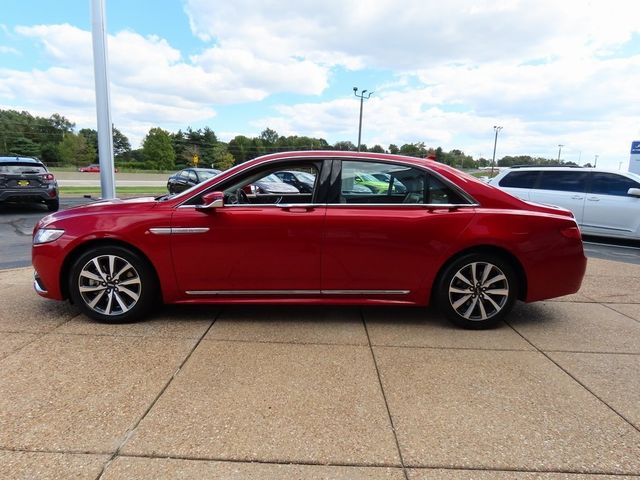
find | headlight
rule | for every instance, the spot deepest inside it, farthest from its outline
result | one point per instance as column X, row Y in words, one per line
column 46, row 235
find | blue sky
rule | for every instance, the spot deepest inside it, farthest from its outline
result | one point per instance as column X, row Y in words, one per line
column 443, row 73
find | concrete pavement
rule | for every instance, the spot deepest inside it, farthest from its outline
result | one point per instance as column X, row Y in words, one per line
column 347, row 393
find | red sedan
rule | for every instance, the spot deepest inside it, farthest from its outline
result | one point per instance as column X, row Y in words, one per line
column 93, row 168
column 434, row 235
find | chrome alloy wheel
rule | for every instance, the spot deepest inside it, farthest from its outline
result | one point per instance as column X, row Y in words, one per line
column 109, row 285
column 478, row 291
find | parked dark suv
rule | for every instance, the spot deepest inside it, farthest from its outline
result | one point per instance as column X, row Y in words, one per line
column 24, row 179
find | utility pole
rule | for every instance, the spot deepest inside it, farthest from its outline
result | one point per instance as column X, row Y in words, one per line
column 362, row 98
column 595, row 162
column 103, row 100
column 559, row 150
column 497, row 129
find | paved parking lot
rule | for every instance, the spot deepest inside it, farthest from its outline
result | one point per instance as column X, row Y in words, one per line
column 264, row 392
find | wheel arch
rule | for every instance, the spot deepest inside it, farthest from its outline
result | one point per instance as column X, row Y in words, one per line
column 100, row 242
column 490, row 250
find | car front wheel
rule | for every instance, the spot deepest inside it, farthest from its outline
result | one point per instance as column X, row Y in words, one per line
column 477, row 291
column 112, row 284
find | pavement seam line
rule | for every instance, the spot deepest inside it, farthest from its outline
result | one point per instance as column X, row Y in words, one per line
column 384, row 396
column 318, row 464
column 130, row 432
column 39, row 336
column 575, row 379
column 621, row 313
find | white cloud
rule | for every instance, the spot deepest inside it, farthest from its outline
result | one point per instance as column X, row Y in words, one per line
column 550, row 72
column 409, row 34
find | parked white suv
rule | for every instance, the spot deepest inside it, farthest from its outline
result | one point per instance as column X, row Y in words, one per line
column 604, row 203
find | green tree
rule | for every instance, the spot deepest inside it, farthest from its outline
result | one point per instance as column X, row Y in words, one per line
column 75, row 150
column 269, row 138
column 414, row 150
column 121, row 144
column 157, row 150
column 241, row 148
column 377, row 149
column 345, row 146
column 222, row 158
column 393, row 149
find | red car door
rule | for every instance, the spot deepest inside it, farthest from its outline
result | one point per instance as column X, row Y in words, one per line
column 389, row 243
column 260, row 244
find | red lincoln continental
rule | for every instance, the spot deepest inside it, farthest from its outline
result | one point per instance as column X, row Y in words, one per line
column 431, row 234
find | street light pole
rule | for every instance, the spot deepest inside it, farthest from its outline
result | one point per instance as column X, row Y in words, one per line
column 595, row 162
column 103, row 100
column 559, row 150
column 495, row 144
column 362, row 98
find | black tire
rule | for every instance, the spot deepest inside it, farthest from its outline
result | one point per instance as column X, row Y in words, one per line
column 53, row 205
column 122, row 287
column 473, row 297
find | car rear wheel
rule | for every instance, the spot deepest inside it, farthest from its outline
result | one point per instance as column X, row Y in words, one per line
column 53, row 205
column 112, row 284
column 477, row 291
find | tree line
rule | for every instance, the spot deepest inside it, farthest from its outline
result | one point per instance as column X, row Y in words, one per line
column 56, row 142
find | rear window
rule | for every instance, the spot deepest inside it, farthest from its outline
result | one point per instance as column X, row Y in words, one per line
column 524, row 179
column 21, row 168
column 573, row 181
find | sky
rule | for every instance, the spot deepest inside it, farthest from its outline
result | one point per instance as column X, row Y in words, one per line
column 549, row 72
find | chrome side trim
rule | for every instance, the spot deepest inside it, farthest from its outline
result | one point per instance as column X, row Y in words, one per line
column 298, row 292
column 366, row 292
column 177, row 230
column 253, row 292
column 160, row 231
column 607, row 228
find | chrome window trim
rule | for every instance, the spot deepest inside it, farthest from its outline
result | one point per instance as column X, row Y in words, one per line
column 298, row 292
column 464, row 194
column 347, row 205
column 284, row 159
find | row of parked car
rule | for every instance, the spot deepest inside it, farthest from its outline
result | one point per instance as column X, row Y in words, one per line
column 278, row 182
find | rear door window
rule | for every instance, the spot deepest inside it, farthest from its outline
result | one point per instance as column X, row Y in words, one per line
column 524, row 179
column 564, row 181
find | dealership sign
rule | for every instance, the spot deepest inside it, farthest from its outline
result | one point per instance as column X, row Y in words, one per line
column 634, row 158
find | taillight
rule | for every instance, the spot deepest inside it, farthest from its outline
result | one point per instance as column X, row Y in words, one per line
column 571, row 232
column 48, row 177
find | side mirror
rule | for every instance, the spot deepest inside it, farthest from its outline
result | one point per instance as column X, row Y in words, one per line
column 634, row 192
column 212, row 200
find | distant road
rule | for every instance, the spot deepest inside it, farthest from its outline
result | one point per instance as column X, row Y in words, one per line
column 80, row 179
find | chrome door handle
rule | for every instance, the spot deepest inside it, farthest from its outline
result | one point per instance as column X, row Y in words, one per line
column 593, row 199
column 298, row 209
column 577, row 197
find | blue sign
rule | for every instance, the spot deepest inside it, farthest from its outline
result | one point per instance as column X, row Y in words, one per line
column 635, row 147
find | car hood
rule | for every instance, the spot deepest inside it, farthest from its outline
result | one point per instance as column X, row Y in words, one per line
column 101, row 207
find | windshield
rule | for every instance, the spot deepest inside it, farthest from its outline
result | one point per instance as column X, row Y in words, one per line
column 206, row 174
column 21, row 168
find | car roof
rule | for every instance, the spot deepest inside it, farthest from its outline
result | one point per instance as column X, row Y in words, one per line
column 18, row 159
column 559, row 168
